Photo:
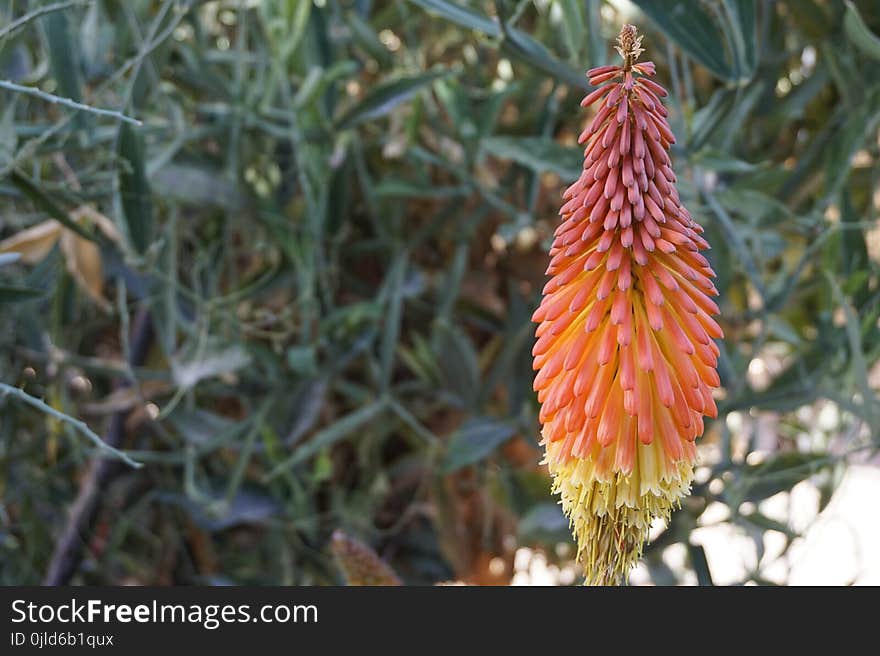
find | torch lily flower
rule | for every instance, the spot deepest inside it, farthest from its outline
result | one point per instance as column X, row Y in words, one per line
column 625, row 354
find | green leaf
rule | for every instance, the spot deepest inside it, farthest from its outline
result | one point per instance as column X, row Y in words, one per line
column 11, row 294
column 742, row 36
column 385, row 97
column 700, row 564
column 214, row 512
column 419, row 429
column 545, row 522
column 597, row 43
column 860, row 367
column 696, row 29
column 531, row 51
column 573, row 25
column 62, row 55
column 849, row 139
column 318, row 80
column 329, row 436
column 755, row 207
column 134, row 190
column 200, row 427
column 779, row 327
column 302, row 360
column 395, row 188
column 736, row 242
column 43, row 202
column 710, row 116
column 457, row 360
column 516, row 42
column 8, row 134
column 285, row 24
column 368, row 39
column 857, row 32
column 197, row 186
column 853, row 246
column 693, row 29
column 394, row 310
column 795, row 386
column 721, row 162
column 539, row 154
column 779, row 473
column 721, row 120
column 90, row 37
column 766, row 523
column 463, row 16
column 475, row 441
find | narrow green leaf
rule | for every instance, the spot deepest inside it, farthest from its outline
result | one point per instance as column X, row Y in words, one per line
column 707, row 118
column 420, row 430
column 134, row 190
column 779, row 473
column 545, row 522
column 285, row 24
column 721, row 162
column 394, row 188
column 853, row 246
column 329, row 436
column 538, row 153
column 766, row 523
column 302, row 360
column 463, row 16
column 756, row 207
column 734, row 238
column 694, row 29
column 43, row 202
column 8, row 134
column 533, row 52
column 849, row 139
column 573, row 25
column 457, row 360
column 295, row 28
column 201, row 428
column 318, row 80
column 12, row 294
column 62, row 55
column 857, row 354
column 700, row 564
column 857, row 32
column 367, row 38
column 197, row 186
column 597, row 43
column 385, row 97
column 516, row 42
column 743, row 36
column 392, row 319
column 475, row 441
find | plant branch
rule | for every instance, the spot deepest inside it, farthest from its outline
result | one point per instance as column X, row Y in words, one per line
column 38, row 12
column 78, row 424
column 69, row 548
column 67, row 102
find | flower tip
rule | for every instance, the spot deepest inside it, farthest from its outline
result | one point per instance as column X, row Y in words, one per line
column 629, row 44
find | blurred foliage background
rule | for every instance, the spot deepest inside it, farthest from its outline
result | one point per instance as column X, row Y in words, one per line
column 298, row 292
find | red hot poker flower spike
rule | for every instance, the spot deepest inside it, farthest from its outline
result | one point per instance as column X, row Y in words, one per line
column 625, row 354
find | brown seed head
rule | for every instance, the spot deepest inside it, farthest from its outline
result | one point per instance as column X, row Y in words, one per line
column 359, row 563
column 629, row 45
